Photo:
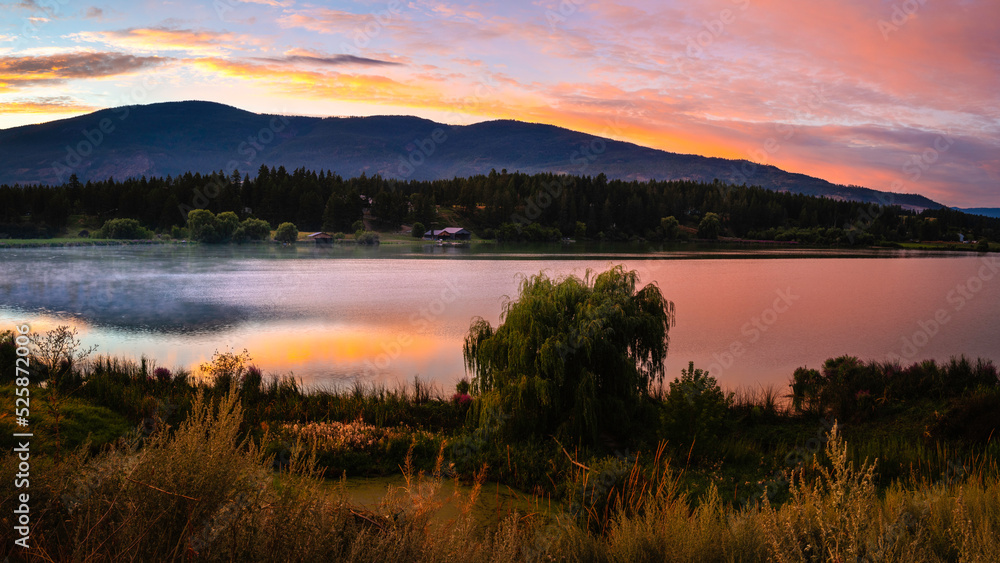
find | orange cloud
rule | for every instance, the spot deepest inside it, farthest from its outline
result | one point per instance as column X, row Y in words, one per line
column 274, row 3
column 156, row 39
column 46, row 105
column 19, row 72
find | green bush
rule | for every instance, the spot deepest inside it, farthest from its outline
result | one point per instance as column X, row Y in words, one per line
column 710, row 226
column 252, row 229
column 983, row 245
column 366, row 237
column 227, row 222
column 203, row 226
column 532, row 232
column 256, row 229
column 239, row 235
column 670, row 227
column 848, row 387
column 807, row 385
column 128, row 229
column 695, row 407
column 287, row 232
column 418, row 230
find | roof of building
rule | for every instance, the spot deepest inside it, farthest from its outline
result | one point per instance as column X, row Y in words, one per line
column 449, row 230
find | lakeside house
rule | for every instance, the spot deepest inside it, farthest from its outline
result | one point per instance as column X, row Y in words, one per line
column 321, row 238
column 449, row 233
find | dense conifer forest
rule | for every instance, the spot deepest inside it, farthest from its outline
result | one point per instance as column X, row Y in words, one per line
column 501, row 205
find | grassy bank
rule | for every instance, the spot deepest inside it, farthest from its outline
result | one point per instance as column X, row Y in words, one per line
column 76, row 241
column 206, row 491
column 138, row 462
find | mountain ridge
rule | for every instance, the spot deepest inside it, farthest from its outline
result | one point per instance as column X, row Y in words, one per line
column 171, row 138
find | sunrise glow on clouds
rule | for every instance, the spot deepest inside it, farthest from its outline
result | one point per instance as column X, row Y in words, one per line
column 849, row 91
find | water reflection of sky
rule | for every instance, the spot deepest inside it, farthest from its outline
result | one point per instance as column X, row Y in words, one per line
column 336, row 316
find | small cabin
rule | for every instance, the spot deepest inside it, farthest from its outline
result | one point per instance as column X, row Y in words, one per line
column 450, row 233
column 321, row 238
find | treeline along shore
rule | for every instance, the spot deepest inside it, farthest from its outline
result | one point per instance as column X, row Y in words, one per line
column 500, row 206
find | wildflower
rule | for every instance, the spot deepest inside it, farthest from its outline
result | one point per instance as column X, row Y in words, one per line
column 162, row 374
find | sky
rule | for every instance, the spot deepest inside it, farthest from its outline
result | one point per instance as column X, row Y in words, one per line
column 896, row 95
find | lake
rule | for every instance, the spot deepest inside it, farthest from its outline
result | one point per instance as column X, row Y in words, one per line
column 334, row 316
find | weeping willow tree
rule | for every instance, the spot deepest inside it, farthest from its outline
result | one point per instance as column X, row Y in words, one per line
column 571, row 357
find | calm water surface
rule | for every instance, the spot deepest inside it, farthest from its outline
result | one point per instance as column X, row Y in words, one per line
column 337, row 316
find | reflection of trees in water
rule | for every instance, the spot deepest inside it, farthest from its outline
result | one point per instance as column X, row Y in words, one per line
column 125, row 304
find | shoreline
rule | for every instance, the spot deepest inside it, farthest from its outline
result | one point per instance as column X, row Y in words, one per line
column 652, row 249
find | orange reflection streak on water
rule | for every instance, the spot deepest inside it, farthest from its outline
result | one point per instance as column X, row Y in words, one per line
column 394, row 348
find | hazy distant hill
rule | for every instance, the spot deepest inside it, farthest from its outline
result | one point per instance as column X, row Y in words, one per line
column 987, row 211
column 177, row 137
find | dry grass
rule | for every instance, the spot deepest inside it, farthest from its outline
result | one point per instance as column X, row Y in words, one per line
column 834, row 514
column 203, row 492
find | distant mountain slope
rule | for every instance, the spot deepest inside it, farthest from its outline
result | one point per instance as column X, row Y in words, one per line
column 177, row 137
column 986, row 211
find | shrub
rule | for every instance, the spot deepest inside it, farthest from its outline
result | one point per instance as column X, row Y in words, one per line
column 123, row 229
column 203, row 226
column 961, row 375
column 973, row 417
column 227, row 223
column 227, row 369
column 532, row 232
column 56, row 351
column 366, row 237
column 829, row 518
column 670, row 227
column 695, row 407
column 418, row 230
column 8, row 355
column 256, row 229
column 983, row 245
column 710, row 226
column 843, row 379
column 162, row 375
column 252, row 379
column 287, row 232
column 239, row 235
column 807, row 387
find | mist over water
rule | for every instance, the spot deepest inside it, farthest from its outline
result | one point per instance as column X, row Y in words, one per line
column 335, row 316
